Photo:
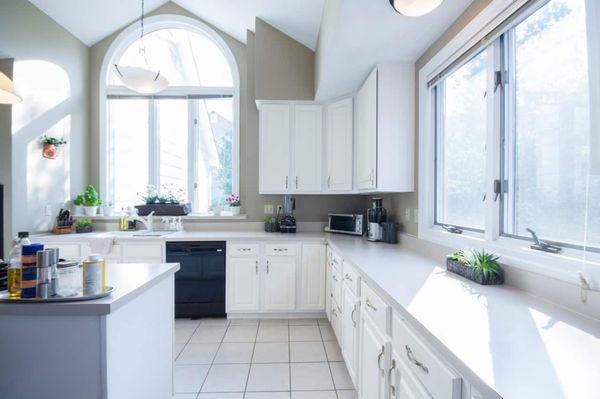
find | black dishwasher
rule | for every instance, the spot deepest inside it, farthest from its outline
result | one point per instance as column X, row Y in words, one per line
column 200, row 282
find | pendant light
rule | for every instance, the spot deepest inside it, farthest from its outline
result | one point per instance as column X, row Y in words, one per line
column 142, row 80
column 7, row 91
column 415, row 8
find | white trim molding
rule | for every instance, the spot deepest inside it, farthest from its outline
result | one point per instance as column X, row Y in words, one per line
column 565, row 266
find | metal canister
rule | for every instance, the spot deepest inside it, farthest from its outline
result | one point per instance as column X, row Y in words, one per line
column 94, row 275
column 54, row 258
column 44, row 259
column 29, row 269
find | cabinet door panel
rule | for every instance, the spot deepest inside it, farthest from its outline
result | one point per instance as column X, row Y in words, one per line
column 280, row 283
column 308, row 138
column 374, row 355
column 349, row 344
column 366, row 134
column 313, row 277
column 340, row 127
column 404, row 384
column 243, row 282
column 274, row 148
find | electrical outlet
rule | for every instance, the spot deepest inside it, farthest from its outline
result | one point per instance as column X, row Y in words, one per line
column 48, row 210
column 269, row 209
column 407, row 214
column 416, row 212
column 279, row 208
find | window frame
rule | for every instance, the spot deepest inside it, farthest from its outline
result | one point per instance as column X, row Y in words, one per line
column 515, row 252
column 119, row 45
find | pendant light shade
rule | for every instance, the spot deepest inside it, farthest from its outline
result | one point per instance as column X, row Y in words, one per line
column 415, row 8
column 141, row 80
column 7, row 91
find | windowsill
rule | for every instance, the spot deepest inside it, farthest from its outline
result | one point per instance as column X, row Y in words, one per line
column 190, row 217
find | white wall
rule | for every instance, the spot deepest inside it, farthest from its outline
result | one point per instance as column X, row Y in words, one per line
column 51, row 74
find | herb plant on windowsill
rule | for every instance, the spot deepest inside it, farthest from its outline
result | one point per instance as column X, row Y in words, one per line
column 163, row 202
column 478, row 266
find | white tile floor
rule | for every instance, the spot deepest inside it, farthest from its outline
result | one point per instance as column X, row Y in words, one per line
column 259, row 359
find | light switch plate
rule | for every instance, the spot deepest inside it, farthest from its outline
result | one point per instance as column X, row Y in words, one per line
column 407, row 214
column 269, row 209
column 416, row 213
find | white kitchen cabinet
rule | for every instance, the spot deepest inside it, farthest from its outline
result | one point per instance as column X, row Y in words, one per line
column 280, row 283
column 374, row 361
column 385, row 130
column 142, row 253
column 349, row 327
column 403, row 383
column 275, row 136
column 328, row 293
column 243, row 283
column 336, row 319
column 313, row 277
column 308, row 143
column 340, row 131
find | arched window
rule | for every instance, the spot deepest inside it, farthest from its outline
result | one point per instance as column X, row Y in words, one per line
column 182, row 140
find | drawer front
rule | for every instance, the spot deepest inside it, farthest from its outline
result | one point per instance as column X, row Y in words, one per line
column 336, row 261
column 336, row 285
column 280, row 249
column 141, row 251
column 372, row 305
column 438, row 379
column 351, row 278
column 67, row 251
column 242, row 249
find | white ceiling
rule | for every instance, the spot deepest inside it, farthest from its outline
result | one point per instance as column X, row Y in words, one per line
column 93, row 20
column 369, row 32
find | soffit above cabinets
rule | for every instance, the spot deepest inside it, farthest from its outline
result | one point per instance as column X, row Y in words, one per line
column 92, row 20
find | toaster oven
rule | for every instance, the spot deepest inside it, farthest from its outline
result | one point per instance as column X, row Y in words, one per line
column 345, row 224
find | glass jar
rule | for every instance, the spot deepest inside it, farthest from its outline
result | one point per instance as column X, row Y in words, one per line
column 69, row 278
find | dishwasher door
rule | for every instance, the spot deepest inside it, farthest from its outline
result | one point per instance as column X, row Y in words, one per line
column 200, row 282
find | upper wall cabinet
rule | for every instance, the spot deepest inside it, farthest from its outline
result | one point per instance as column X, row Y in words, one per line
column 340, row 129
column 308, row 141
column 385, row 130
column 275, row 136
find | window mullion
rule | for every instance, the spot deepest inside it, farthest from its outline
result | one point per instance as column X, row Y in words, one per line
column 192, row 153
column 153, row 144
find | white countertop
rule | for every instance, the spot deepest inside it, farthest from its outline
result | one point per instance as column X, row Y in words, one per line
column 518, row 345
column 129, row 280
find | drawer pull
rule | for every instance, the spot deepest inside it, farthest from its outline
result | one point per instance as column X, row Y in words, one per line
column 335, row 261
column 352, row 316
column 370, row 305
column 267, row 267
column 256, row 268
column 335, row 279
column 281, row 249
column 390, row 371
column 382, row 371
column 413, row 360
column 347, row 277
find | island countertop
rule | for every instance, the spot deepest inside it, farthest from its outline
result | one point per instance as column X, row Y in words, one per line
column 129, row 280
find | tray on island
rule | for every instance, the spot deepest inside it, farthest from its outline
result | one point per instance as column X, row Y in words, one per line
column 76, row 298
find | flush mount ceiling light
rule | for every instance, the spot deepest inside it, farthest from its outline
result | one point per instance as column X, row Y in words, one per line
column 415, row 8
column 7, row 92
column 142, row 80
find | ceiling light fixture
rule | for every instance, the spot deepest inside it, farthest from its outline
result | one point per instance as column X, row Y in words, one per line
column 415, row 8
column 7, row 91
column 142, row 80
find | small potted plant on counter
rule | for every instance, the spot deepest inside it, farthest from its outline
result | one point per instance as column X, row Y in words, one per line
column 50, row 145
column 91, row 201
column 234, row 204
column 478, row 266
column 83, row 226
column 271, row 225
column 164, row 202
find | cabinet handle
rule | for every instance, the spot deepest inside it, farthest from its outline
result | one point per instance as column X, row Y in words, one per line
column 372, row 175
column 256, row 268
column 347, row 277
column 370, row 305
column 390, row 371
column 352, row 316
column 413, row 359
column 296, row 182
column 382, row 371
column 328, row 181
column 286, row 182
column 267, row 267
column 335, row 279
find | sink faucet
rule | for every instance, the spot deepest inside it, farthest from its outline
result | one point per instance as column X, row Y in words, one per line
column 148, row 222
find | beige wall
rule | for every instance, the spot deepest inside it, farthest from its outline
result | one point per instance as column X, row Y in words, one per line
column 309, row 208
column 284, row 68
column 50, row 73
column 398, row 203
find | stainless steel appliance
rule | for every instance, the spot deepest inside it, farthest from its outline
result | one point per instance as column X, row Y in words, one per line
column 345, row 224
column 376, row 215
column 288, row 222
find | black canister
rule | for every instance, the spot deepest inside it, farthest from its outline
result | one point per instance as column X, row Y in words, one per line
column 390, row 232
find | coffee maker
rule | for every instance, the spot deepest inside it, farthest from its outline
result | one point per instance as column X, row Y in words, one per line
column 375, row 216
column 287, row 224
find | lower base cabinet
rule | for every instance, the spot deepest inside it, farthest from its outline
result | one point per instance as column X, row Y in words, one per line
column 243, row 284
column 403, row 383
column 280, row 283
column 374, row 360
column 350, row 330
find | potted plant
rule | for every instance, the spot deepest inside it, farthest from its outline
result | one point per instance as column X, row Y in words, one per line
column 78, row 205
column 164, row 202
column 50, row 145
column 91, row 201
column 234, row 204
column 478, row 266
column 271, row 225
column 108, row 209
column 83, row 226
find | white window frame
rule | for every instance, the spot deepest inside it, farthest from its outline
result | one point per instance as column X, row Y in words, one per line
column 128, row 36
column 515, row 252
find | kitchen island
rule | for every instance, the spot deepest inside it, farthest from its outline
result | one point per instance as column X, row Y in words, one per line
column 120, row 346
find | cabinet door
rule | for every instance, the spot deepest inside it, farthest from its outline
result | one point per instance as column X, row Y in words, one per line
column 374, row 360
column 349, row 344
column 308, row 155
column 340, row 125
column 328, row 294
column 280, row 283
column 243, row 283
column 274, row 148
column 366, row 134
column 313, row 277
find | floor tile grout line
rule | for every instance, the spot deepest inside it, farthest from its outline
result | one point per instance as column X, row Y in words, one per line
column 213, row 360
column 290, row 357
column 328, row 363
column 251, row 358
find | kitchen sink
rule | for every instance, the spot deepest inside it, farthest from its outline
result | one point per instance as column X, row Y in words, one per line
column 153, row 233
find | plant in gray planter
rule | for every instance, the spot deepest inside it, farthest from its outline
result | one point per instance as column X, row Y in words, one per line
column 83, row 226
column 163, row 203
column 478, row 266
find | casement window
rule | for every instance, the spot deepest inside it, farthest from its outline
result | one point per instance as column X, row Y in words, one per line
column 184, row 138
column 508, row 129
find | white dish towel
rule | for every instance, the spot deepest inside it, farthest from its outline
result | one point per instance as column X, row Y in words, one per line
column 102, row 245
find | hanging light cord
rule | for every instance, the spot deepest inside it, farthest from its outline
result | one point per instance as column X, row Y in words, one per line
column 142, row 45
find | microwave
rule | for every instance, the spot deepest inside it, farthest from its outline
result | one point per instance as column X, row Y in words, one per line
column 345, row 224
